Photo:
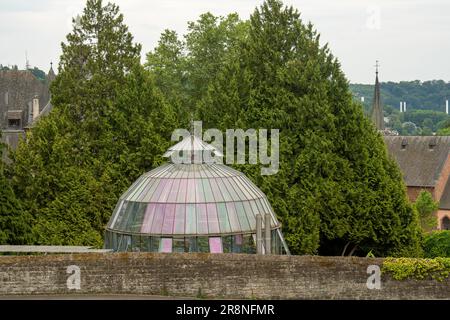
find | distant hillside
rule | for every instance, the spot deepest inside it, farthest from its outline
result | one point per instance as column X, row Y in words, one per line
column 427, row 95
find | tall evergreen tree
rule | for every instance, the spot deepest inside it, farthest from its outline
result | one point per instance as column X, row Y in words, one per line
column 15, row 224
column 109, row 124
column 337, row 191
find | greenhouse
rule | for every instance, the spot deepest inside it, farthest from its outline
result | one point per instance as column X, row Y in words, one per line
column 194, row 207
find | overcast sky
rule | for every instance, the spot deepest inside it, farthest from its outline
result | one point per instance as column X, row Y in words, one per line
column 411, row 38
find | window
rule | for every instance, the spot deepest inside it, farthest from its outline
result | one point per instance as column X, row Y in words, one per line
column 445, row 223
column 13, row 122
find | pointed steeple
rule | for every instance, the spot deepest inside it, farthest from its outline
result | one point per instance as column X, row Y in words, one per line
column 377, row 109
column 51, row 74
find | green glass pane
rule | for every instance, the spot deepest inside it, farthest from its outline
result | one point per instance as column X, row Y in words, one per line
column 224, row 223
column 243, row 221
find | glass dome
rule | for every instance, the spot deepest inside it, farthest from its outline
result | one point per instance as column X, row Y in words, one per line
column 197, row 207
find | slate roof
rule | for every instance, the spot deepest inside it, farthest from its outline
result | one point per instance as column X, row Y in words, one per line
column 445, row 198
column 421, row 158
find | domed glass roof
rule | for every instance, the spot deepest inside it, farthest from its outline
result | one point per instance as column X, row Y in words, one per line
column 176, row 206
column 191, row 199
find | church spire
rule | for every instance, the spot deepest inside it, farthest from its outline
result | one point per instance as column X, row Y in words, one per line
column 377, row 110
column 51, row 74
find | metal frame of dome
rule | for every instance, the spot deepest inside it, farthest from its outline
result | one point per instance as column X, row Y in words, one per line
column 190, row 203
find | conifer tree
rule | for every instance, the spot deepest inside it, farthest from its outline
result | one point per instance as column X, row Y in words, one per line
column 15, row 224
column 337, row 192
column 109, row 124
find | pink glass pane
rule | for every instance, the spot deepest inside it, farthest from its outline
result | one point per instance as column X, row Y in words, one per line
column 180, row 211
column 158, row 219
column 165, row 245
column 191, row 219
column 182, row 192
column 215, row 245
column 213, row 221
column 169, row 218
column 202, row 219
column 148, row 218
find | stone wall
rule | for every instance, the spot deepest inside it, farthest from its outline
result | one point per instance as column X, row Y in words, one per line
column 208, row 275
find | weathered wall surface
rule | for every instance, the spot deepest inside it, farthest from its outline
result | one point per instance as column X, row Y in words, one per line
column 214, row 276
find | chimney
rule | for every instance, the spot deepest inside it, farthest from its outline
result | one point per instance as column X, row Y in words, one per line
column 446, row 106
column 404, row 106
column 362, row 99
column 401, row 106
column 35, row 107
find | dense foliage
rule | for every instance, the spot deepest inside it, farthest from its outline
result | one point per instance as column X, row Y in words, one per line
column 419, row 269
column 437, row 244
column 426, row 208
column 14, row 222
column 336, row 192
column 109, row 125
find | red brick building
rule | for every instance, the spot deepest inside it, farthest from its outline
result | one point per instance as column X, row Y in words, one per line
column 425, row 164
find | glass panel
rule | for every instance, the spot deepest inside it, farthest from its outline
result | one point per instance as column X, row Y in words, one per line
column 199, row 193
column 248, row 245
column 234, row 221
column 136, row 243
column 136, row 223
column 190, row 197
column 223, row 218
column 148, row 218
column 145, row 191
column 166, row 190
column 181, row 198
column 231, row 191
column 208, row 192
column 243, row 221
column 227, row 243
column 216, row 192
column 215, row 245
column 223, row 190
column 237, row 243
column 213, row 221
column 179, row 218
column 202, row 219
column 155, row 243
column 191, row 244
column 158, row 191
column 169, row 218
column 158, row 219
column 178, row 245
column 165, row 245
column 154, row 184
column 202, row 244
column 191, row 219
column 174, row 191
column 250, row 215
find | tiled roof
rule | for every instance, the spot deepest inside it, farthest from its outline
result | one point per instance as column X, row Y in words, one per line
column 421, row 158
